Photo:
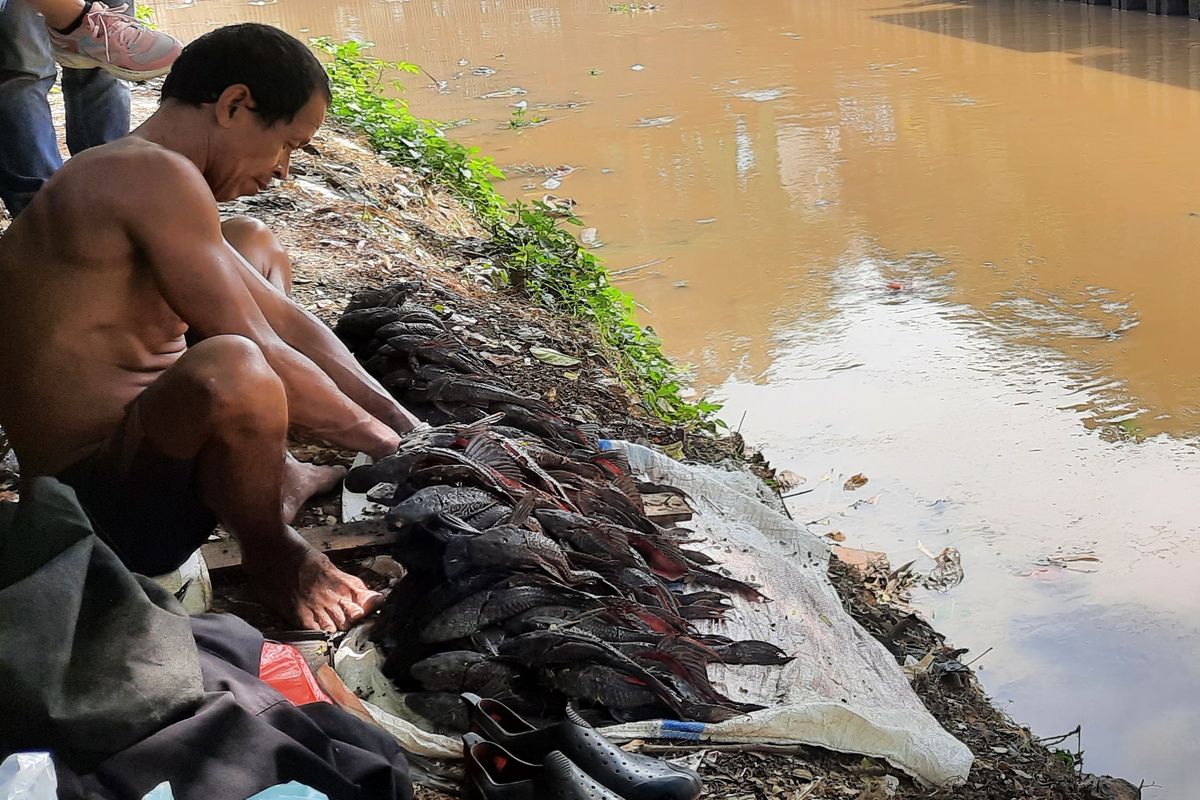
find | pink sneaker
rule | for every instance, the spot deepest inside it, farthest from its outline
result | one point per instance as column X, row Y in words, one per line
column 115, row 42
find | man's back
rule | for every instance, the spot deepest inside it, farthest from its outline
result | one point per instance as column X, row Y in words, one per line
column 84, row 327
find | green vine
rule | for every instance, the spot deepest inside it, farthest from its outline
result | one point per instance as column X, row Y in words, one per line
column 539, row 257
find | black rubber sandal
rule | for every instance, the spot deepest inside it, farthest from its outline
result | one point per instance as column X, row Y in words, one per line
column 495, row 774
column 632, row 776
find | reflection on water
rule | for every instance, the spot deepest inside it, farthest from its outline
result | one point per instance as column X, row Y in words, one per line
column 946, row 244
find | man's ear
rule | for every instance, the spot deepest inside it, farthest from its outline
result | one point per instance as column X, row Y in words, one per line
column 232, row 106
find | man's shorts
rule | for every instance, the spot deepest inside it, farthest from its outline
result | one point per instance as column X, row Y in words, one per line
column 145, row 505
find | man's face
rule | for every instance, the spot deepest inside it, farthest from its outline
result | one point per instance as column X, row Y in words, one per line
column 251, row 154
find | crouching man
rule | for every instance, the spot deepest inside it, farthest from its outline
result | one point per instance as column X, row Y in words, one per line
column 121, row 255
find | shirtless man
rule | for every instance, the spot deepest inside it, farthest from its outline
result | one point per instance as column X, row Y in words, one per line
column 119, row 256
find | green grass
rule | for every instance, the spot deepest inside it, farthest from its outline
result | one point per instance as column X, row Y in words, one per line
column 540, row 256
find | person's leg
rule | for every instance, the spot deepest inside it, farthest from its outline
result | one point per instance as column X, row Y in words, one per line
column 97, row 106
column 28, row 145
column 259, row 246
column 222, row 405
column 58, row 13
column 255, row 242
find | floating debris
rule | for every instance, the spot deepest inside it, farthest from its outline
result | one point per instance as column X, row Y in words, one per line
column 515, row 91
column 655, row 122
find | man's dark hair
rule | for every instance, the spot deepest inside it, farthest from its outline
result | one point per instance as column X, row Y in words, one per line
column 280, row 70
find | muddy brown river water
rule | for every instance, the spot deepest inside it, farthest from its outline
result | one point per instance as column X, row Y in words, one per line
column 952, row 246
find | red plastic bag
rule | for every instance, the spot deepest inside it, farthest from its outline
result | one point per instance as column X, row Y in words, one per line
column 284, row 668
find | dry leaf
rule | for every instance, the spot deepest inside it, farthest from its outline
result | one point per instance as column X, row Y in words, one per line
column 788, row 479
column 836, row 536
column 856, row 481
column 550, row 356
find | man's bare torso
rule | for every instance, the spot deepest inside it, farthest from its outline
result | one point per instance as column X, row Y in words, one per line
column 84, row 328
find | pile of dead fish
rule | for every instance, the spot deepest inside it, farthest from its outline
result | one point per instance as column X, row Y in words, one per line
column 534, row 573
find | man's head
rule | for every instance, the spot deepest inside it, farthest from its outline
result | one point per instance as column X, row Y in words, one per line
column 266, row 94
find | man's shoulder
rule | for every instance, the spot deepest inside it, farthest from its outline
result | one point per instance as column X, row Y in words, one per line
column 129, row 173
column 133, row 158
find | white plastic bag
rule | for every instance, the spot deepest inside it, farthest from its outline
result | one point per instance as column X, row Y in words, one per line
column 28, row 776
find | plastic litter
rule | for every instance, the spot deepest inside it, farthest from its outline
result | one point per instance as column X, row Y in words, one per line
column 28, row 776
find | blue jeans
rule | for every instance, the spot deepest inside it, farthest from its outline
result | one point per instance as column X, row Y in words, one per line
column 97, row 106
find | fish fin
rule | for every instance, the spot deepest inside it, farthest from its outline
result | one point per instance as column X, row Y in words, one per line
column 625, row 485
column 454, row 523
column 492, row 454
column 479, row 426
column 523, row 510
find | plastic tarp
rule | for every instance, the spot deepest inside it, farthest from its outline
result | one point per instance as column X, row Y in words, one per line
column 843, row 691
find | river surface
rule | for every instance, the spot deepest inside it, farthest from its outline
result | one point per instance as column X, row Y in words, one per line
column 951, row 246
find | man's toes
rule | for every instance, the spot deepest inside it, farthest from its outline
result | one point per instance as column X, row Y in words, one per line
column 369, row 601
column 353, row 611
column 307, row 619
column 337, row 616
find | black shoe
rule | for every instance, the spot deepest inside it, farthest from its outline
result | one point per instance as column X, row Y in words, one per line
column 632, row 776
column 495, row 774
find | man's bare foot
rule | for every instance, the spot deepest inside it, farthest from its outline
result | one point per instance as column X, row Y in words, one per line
column 301, row 481
column 304, row 586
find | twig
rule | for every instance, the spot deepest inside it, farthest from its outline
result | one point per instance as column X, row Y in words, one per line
column 797, row 494
column 436, row 82
column 740, row 421
column 812, row 787
column 981, row 655
column 1060, row 739
column 627, row 270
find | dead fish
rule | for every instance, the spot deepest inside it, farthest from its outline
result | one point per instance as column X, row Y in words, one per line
column 506, row 546
column 508, row 456
column 408, row 326
column 425, row 504
column 465, row 671
column 714, row 578
column 490, row 607
column 550, row 426
column 479, row 393
column 445, row 711
column 600, row 684
column 752, row 651
column 590, row 536
column 361, row 324
column 561, row 648
column 390, row 296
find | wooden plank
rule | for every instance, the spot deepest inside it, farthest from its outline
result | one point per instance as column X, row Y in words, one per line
column 665, row 508
column 326, row 538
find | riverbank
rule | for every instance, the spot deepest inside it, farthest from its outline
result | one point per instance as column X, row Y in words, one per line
column 352, row 221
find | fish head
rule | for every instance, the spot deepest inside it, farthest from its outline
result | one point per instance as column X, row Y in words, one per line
column 420, row 506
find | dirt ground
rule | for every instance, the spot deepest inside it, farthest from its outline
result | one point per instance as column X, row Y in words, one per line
column 351, row 222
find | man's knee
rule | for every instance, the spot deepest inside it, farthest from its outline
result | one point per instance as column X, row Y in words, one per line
column 249, row 232
column 235, row 379
column 260, row 248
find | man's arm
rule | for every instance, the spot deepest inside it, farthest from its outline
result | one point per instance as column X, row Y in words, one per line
column 314, row 339
column 176, row 227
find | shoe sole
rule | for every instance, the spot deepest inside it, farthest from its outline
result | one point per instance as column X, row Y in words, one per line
column 80, row 61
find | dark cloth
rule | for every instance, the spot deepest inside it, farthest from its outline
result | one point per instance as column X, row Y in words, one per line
column 92, row 657
column 246, row 737
column 104, row 669
column 145, row 505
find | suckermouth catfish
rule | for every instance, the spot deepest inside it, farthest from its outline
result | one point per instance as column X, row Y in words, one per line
column 465, row 671
column 489, row 607
column 425, row 504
